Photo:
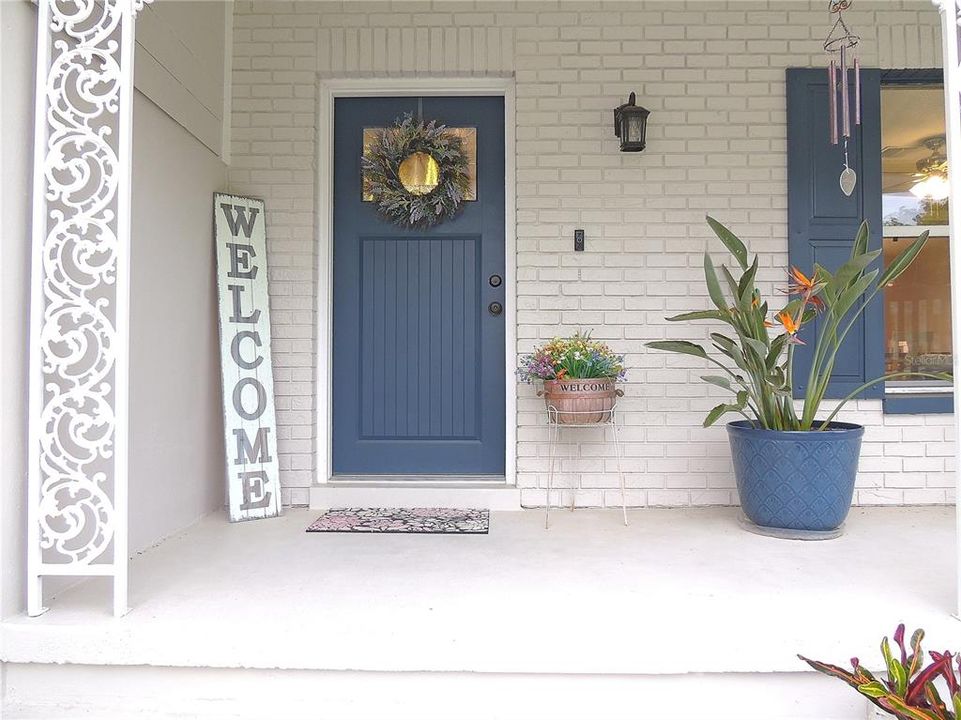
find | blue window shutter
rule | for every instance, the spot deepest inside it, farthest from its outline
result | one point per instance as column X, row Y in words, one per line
column 822, row 221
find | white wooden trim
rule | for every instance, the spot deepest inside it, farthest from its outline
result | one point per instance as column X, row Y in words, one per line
column 41, row 132
column 122, row 360
column 325, row 286
column 330, row 88
column 458, row 492
column 914, row 230
column 950, row 34
column 225, row 135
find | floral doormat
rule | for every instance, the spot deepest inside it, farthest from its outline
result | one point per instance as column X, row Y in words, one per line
column 442, row 521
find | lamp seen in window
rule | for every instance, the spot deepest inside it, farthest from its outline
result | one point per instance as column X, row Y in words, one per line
column 630, row 125
column 932, row 179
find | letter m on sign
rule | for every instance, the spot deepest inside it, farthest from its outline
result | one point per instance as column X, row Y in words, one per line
column 250, row 425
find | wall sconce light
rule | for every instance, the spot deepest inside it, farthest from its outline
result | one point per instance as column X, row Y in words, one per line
column 630, row 125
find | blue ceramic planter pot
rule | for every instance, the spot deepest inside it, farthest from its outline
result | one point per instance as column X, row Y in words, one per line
column 791, row 480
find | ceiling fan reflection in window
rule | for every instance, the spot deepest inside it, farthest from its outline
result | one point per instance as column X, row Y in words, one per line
column 930, row 182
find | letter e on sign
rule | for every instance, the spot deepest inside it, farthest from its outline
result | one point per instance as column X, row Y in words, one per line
column 250, row 424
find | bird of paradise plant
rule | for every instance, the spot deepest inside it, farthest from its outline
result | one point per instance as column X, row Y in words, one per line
column 909, row 691
column 758, row 368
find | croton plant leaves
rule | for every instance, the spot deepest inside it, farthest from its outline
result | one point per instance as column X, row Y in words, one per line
column 909, row 692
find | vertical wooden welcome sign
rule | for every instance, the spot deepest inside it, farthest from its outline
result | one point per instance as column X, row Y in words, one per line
column 250, row 427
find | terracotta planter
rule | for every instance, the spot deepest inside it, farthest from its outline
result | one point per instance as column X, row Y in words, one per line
column 581, row 401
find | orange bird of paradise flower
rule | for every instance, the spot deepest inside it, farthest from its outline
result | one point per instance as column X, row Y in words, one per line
column 800, row 283
column 789, row 325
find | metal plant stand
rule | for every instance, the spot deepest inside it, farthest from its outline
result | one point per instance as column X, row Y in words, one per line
column 553, row 430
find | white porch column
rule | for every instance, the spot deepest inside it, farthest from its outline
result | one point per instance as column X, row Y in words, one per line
column 77, row 484
column 950, row 39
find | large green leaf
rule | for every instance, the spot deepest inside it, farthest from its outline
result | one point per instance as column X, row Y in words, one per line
column 777, row 347
column 717, row 380
column 715, row 414
column 860, row 245
column 903, row 261
column 731, row 241
column 729, row 348
column 731, row 282
column 724, row 341
column 759, row 348
column 746, row 286
column 713, row 286
column 678, row 346
column 700, row 315
column 847, row 298
column 850, row 271
column 724, row 408
column 829, row 292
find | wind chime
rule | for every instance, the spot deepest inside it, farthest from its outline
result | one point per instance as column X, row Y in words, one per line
column 843, row 43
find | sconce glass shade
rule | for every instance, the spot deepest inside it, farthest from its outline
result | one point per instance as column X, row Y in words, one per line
column 630, row 125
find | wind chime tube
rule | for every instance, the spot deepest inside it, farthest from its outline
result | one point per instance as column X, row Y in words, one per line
column 857, row 91
column 845, row 102
column 832, row 102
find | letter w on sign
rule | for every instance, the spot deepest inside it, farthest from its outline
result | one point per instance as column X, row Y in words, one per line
column 250, row 425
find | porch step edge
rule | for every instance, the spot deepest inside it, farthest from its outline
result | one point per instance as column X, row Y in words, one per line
column 498, row 498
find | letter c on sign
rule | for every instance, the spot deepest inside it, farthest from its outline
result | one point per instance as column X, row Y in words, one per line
column 238, row 398
column 235, row 349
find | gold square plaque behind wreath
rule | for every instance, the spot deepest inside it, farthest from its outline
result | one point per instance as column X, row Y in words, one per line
column 468, row 136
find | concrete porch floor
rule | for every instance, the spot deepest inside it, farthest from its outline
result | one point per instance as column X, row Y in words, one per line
column 678, row 591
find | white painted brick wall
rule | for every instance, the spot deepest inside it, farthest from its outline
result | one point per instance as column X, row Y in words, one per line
column 712, row 73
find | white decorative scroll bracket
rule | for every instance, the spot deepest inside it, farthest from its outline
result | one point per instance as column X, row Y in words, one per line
column 951, row 46
column 79, row 326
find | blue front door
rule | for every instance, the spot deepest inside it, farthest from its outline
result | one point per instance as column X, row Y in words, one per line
column 418, row 356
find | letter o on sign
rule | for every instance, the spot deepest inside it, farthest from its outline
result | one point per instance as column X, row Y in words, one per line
column 239, row 400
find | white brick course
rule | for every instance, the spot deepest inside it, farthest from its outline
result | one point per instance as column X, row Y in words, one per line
column 712, row 73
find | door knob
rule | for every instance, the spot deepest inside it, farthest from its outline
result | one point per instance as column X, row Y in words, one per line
column 495, row 309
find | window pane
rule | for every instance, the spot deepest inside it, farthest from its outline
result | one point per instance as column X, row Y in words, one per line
column 913, row 155
column 917, row 309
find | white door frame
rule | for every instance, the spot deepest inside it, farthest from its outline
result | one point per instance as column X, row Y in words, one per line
column 328, row 90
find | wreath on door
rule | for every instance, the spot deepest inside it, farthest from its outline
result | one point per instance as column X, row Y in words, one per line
column 417, row 173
